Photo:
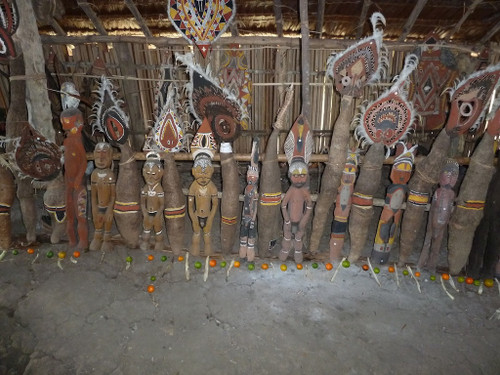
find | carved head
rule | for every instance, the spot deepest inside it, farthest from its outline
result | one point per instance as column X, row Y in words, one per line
column 449, row 174
column 202, row 169
column 103, row 155
column 152, row 171
column 298, row 173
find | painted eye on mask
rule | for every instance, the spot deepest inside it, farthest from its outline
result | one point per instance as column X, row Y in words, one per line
column 346, row 81
column 466, row 109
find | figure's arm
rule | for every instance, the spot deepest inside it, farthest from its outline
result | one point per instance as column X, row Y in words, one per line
column 143, row 203
column 191, row 211
column 93, row 199
column 307, row 211
column 284, row 207
column 215, row 203
column 111, row 203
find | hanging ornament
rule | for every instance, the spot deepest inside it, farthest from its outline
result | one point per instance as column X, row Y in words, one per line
column 109, row 117
column 201, row 22
column 361, row 64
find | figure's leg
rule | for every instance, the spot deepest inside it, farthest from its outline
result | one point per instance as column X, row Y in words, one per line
column 207, row 241
column 337, row 237
column 286, row 243
column 437, row 240
column 195, row 243
column 243, row 247
column 70, row 217
column 252, row 233
column 381, row 252
column 96, row 242
column 107, row 245
column 298, row 245
column 159, row 245
column 146, row 233
column 83, row 230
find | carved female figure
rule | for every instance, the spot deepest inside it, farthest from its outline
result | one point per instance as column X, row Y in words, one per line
column 103, row 193
column 152, row 201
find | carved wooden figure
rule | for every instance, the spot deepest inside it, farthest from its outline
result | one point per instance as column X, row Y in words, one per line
column 343, row 206
column 248, row 227
column 103, row 194
column 352, row 70
column 75, row 164
column 152, row 201
column 442, row 206
column 297, row 204
column 203, row 198
column 390, row 218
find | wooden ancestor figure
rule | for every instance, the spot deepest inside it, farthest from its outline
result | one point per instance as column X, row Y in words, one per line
column 442, row 206
column 152, row 201
column 103, row 194
column 297, row 205
column 75, row 164
column 392, row 212
column 248, row 228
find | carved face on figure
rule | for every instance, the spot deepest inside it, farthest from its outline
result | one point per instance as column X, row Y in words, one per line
column 400, row 173
column 152, row 172
column 449, row 175
column 298, row 173
column 252, row 177
column 202, row 169
column 103, row 155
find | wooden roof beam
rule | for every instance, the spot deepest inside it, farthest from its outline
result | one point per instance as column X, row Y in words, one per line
column 466, row 15
column 411, row 20
column 362, row 18
column 138, row 17
column 57, row 28
column 320, row 18
column 490, row 33
column 279, row 18
column 86, row 7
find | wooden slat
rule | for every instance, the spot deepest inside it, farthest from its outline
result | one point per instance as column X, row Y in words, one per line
column 490, row 33
column 138, row 17
column 57, row 28
column 411, row 20
column 466, row 15
column 362, row 18
column 305, row 64
column 92, row 16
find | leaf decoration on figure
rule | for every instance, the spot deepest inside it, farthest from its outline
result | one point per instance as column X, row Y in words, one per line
column 36, row 156
column 299, row 143
column 109, row 117
column 201, row 22
column 234, row 76
column 361, row 64
column 469, row 100
column 211, row 102
column 388, row 119
column 436, row 70
column 9, row 21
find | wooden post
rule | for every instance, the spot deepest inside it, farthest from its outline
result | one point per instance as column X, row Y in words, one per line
column 304, row 28
column 29, row 44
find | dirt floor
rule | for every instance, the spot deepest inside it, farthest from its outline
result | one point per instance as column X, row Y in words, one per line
column 95, row 316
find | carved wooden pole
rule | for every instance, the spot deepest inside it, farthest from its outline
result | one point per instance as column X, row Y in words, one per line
column 230, row 206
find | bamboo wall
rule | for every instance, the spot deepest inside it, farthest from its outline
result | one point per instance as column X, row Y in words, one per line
column 271, row 69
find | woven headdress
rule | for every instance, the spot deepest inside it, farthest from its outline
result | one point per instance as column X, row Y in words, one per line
column 361, row 64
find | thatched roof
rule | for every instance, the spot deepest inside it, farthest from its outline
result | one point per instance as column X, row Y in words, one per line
column 471, row 22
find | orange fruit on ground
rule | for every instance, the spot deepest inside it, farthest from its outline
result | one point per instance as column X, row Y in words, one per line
column 489, row 282
column 151, row 257
column 445, row 276
column 180, row 258
column 299, row 266
column 417, row 274
column 391, row 269
column 329, row 266
column 469, row 280
column 283, row 267
column 264, row 266
column 151, row 288
column 365, row 267
column 76, row 254
column 237, row 264
column 212, row 263
column 31, row 250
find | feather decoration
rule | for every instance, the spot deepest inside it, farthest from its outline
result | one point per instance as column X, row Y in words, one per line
column 391, row 117
column 109, row 117
column 361, row 64
column 299, row 143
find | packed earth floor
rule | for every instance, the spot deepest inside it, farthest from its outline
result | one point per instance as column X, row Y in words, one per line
column 94, row 314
